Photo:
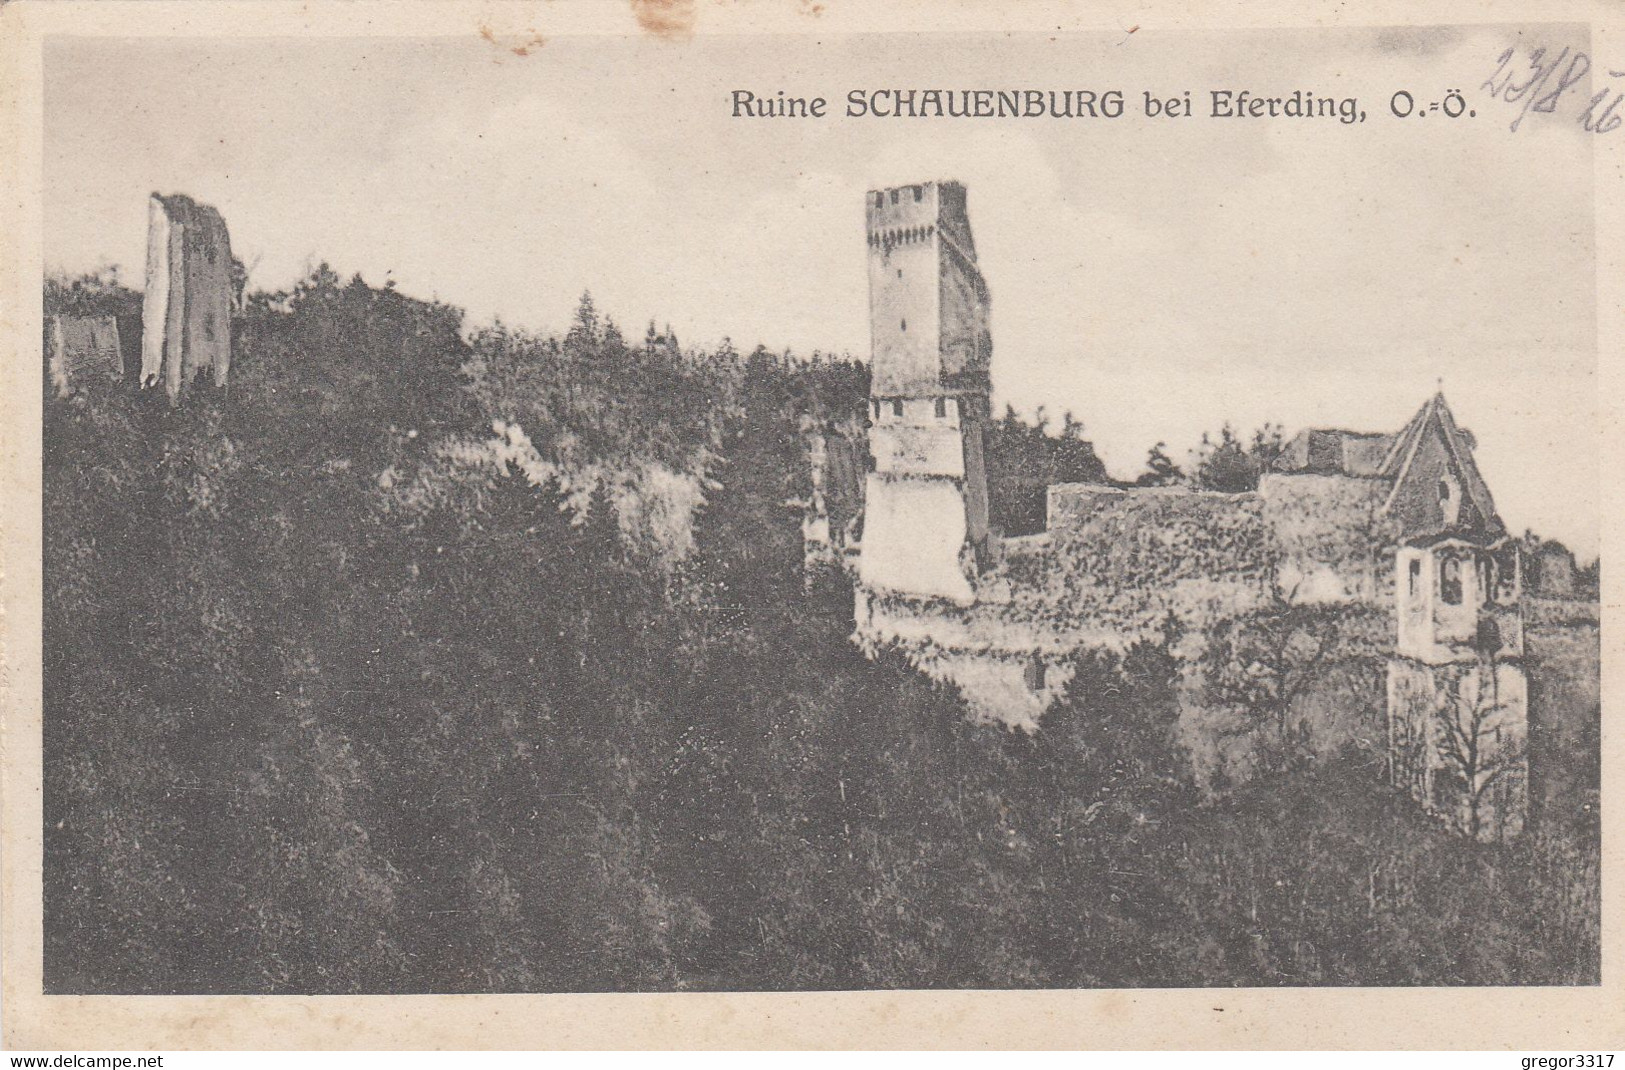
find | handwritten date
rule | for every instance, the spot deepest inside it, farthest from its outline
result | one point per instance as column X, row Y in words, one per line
column 1540, row 81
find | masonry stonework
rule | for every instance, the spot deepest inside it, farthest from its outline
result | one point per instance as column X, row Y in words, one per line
column 81, row 347
column 186, row 312
column 1394, row 534
column 925, row 498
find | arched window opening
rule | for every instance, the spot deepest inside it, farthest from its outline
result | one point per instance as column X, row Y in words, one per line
column 1450, row 581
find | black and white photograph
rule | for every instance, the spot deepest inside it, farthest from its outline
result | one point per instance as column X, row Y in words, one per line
column 666, row 512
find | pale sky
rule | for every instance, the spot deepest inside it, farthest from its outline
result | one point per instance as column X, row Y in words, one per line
column 1155, row 276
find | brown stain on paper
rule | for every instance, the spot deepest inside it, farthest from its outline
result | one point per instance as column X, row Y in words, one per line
column 530, row 44
column 672, row 20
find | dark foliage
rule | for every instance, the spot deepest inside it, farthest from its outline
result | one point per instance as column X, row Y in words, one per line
column 1024, row 459
column 1160, row 469
column 306, row 731
column 1232, row 465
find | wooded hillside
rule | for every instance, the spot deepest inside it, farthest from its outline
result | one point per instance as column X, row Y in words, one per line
column 421, row 660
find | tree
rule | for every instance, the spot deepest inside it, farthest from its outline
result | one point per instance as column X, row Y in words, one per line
column 94, row 293
column 584, row 329
column 1116, row 726
column 1024, row 459
column 1261, row 664
column 333, row 706
column 1482, row 750
column 1160, row 469
column 1232, row 465
column 1588, row 579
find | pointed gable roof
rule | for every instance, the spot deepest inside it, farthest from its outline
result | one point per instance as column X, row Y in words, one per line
column 1405, row 442
column 1432, row 440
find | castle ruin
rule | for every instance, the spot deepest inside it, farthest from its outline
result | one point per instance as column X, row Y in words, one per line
column 81, row 347
column 1397, row 529
column 186, row 312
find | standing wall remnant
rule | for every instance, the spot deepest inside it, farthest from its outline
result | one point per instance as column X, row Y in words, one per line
column 187, row 310
column 83, row 346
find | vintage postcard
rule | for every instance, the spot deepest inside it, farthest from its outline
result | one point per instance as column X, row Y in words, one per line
column 677, row 523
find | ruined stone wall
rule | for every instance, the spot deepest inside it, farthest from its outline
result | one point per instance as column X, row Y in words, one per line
column 1118, row 562
column 1012, row 666
column 1116, row 565
column 973, row 446
column 1000, row 687
column 156, row 326
column 187, row 307
column 833, row 512
column 80, row 347
column 207, row 284
column 1540, row 612
column 1329, row 452
column 1001, row 681
column 844, row 468
column 1551, row 572
column 1328, row 538
column 1565, row 714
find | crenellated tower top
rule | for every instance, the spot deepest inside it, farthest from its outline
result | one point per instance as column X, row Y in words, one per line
column 928, row 301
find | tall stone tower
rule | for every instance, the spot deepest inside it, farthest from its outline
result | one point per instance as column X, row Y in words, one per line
column 925, row 511
column 186, row 311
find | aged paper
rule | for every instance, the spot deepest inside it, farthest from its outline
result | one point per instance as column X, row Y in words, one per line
column 810, row 525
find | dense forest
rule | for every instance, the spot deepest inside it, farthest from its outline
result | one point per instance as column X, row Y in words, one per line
column 423, row 658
